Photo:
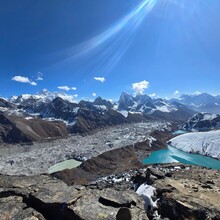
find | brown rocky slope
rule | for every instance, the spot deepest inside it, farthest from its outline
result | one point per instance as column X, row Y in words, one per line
column 15, row 129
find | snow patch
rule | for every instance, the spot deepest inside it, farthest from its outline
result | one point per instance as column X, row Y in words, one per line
column 151, row 140
column 124, row 113
column 100, row 107
column 146, row 192
column 208, row 116
column 29, row 118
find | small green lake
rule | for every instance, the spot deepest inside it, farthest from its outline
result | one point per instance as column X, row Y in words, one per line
column 67, row 164
column 173, row 155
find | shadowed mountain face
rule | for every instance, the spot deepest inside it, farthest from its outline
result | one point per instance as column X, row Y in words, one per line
column 81, row 117
column 103, row 102
column 5, row 104
column 17, row 129
column 87, row 120
column 139, row 103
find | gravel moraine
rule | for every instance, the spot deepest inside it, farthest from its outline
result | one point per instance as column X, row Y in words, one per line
column 37, row 158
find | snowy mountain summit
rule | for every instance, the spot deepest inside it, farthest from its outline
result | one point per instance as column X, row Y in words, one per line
column 144, row 104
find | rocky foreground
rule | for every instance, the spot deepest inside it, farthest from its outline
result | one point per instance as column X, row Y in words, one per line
column 183, row 192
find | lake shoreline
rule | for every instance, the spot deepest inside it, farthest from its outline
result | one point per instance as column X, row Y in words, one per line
column 174, row 155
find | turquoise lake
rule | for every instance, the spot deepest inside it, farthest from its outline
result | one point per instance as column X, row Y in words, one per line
column 173, row 155
column 180, row 132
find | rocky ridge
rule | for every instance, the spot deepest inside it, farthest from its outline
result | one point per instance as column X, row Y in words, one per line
column 114, row 161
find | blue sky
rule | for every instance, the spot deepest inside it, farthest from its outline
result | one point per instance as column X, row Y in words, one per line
column 102, row 47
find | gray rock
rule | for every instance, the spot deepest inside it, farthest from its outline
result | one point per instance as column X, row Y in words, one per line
column 106, row 203
column 12, row 207
column 44, row 197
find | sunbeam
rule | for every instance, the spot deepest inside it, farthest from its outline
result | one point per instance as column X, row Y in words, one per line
column 133, row 20
column 108, row 47
column 103, row 52
column 110, row 37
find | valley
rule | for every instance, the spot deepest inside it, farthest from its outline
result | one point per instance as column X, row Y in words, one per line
column 111, row 145
column 39, row 156
column 110, row 110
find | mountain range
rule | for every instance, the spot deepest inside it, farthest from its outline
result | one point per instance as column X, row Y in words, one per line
column 58, row 109
column 203, row 102
column 202, row 122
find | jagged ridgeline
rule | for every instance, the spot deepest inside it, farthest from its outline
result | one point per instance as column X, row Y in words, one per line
column 46, row 114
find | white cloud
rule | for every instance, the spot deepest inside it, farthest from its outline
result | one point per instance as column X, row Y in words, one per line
column 39, row 76
column 101, row 79
column 66, row 88
column 23, row 79
column 70, row 98
column 94, row 94
column 153, row 95
column 33, row 83
column 176, row 92
column 140, row 87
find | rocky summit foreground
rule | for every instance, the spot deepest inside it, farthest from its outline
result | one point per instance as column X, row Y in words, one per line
column 183, row 192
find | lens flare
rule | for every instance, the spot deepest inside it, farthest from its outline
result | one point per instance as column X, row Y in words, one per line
column 132, row 20
column 114, row 41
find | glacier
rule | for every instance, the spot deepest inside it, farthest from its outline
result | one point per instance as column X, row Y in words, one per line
column 205, row 143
